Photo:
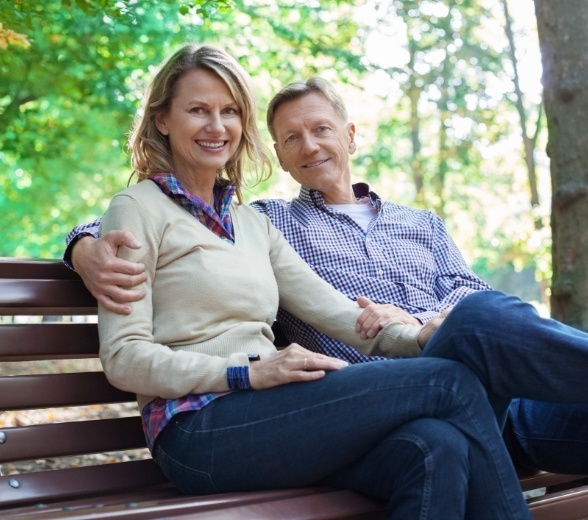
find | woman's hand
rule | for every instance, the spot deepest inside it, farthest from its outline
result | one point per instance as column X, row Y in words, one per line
column 377, row 316
column 290, row 365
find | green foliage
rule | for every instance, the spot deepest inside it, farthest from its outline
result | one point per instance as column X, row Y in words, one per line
column 68, row 100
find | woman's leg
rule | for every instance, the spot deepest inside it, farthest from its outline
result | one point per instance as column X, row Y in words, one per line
column 548, row 436
column 513, row 351
column 299, row 434
column 424, row 455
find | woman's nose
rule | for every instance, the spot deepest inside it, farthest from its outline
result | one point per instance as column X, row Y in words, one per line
column 215, row 124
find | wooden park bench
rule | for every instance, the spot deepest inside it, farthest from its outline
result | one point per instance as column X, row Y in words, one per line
column 35, row 292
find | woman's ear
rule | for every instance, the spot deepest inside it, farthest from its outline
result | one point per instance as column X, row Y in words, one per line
column 161, row 124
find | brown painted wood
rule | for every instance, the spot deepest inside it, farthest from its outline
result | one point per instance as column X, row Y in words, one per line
column 53, row 390
column 36, row 341
column 71, row 438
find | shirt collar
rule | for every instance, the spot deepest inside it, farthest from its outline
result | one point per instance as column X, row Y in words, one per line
column 223, row 195
column 360, row 190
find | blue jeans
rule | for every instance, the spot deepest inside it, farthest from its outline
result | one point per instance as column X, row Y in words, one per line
column 416, row 433
column 548, row 436
column 513, row 351
column 517, row 354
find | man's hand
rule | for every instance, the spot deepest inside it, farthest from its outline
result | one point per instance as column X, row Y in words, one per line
column 290, row 365
column 430, row 327
column 377, row 316
column 104, row 274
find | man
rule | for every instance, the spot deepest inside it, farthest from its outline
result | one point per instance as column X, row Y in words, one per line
column 401, row 258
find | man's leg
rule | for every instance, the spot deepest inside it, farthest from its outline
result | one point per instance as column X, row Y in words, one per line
column 548, row 436
column 513, row 351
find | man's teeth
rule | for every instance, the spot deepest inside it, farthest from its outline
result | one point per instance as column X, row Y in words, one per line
column 314, row 164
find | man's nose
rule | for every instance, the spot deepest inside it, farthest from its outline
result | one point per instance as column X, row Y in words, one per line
column 309, row 144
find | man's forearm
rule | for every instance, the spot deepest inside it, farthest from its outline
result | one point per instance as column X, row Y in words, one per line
column 88, row 229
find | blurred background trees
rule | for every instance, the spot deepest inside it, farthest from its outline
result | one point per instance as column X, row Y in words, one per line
column 446, row 96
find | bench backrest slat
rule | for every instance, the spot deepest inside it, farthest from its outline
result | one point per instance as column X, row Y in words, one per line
column 52, row 390
column 32, row 294
column 38, row 341
column 29, row 269
column 72, row 438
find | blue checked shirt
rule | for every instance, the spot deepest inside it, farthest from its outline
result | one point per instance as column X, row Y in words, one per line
column 406, row 258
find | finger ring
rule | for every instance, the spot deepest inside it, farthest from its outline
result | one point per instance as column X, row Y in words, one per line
column 305, row 363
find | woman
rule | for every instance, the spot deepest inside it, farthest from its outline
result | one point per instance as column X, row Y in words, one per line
column 219, row 405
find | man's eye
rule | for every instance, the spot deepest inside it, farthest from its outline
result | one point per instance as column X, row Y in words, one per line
column 289, row 139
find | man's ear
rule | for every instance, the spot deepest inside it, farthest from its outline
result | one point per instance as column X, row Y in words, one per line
column 278, row 156
column 161, row 124
column 351, row 133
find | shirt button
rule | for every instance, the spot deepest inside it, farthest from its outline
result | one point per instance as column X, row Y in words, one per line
column 380, row 272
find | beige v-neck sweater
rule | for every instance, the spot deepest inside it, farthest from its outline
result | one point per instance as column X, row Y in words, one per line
column 210, row 303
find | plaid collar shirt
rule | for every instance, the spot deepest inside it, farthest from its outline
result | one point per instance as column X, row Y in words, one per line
column 405, row 258
column 218, row 222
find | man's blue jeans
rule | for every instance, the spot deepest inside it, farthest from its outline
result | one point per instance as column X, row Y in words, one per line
column 548, row 436
column 417, row 433
column 517, row 354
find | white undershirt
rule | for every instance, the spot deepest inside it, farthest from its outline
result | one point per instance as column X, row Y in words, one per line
column 362, row 212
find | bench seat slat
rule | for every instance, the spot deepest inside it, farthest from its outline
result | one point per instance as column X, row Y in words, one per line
column 71, row 438
column 55, row 390
column 570, row 504
column 26, row 342
column 541, row 479
column 294, row 504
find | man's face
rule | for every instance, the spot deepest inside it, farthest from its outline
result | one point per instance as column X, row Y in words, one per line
column 314, row 143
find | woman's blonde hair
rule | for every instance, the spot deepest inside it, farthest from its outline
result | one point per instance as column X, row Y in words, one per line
column 150, row 149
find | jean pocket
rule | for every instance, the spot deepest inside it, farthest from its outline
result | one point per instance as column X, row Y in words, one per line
column 188, row 480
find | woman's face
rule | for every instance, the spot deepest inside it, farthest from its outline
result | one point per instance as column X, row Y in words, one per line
column 203, row 124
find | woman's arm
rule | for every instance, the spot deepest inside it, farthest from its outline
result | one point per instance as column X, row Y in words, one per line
column 308, row 297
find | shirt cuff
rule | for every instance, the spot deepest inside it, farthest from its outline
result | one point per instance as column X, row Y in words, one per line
column 238, row 378
column 70, row 246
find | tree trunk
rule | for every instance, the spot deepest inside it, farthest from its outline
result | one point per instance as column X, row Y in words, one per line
column 564, row 50
column 414, row 95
